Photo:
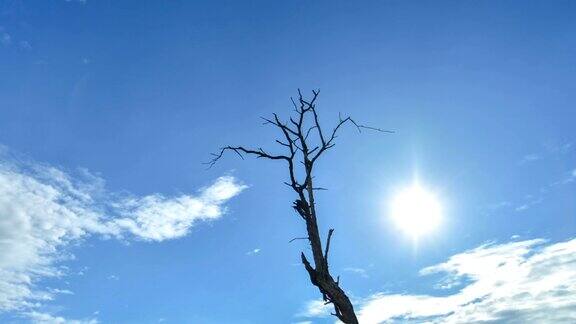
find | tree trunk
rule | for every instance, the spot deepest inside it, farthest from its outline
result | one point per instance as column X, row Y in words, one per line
column 320, row 275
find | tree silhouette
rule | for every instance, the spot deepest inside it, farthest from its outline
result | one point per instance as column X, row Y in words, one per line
column 303, row 151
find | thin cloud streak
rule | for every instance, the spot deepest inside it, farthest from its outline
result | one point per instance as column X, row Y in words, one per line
column 359, row 271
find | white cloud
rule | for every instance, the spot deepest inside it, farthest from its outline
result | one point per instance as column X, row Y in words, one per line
column 253, row 252
column 529, row 158
column 549, row 149
column 5, row 38
column 518, row 282
column 316, row 308
column 571, row 177
column 529, row 202
column 559, row 147
column 8, row 39
column 157, row 218
column 359, row 271
column 24, row 45
column 44, row 318
column 43, row 210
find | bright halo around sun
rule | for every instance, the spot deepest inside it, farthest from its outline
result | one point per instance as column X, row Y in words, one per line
column 416, row 211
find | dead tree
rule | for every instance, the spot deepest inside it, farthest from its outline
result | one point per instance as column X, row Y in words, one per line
column 302, row 154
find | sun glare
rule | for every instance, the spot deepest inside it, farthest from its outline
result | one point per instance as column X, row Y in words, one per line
column 416, row 211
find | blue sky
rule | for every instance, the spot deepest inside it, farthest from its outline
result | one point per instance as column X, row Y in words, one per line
column 109, row 108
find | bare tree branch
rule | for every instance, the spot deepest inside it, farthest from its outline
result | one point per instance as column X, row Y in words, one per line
column 330, row 232
column 298, row 238
column 260, row 153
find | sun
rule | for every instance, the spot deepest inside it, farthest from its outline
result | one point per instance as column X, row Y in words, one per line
column 416, row 211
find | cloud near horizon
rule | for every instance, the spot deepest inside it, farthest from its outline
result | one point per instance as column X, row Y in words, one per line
column 43, row 210
column 531, row 281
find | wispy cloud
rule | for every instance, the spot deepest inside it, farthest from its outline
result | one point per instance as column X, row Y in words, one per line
column 316, row 308
column 359, row 271
column 518, row 282
column 253, row 252
column 560, row 147
column 44, row 209
column 546, row 151
column 24, row 45
column 8, row 40
column 569, row 178
column 529, row 201
column 5, row 38
column 529, row 158
column 44, row 318
column 157, row 218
